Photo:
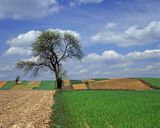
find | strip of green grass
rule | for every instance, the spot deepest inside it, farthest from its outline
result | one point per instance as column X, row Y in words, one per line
column 24, row 82
column 107, row 109
column 153, row 81
column 99, row 79
column 75, row 82
column 8, row 85
column 47, row 85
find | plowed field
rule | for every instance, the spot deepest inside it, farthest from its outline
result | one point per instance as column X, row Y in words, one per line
column 25, row 109
column 124, row 84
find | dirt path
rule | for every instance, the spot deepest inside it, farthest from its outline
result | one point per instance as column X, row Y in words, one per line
column 25, row 109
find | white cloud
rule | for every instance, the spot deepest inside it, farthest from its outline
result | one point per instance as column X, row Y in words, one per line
column 147, row 54
column 24, row 39
column 18, row 51
column 62, row 31
column 113, row 64
column 32, row 59
column 111, row 55
column 83, row 71
column 75, row 2
column 27, row 9
column 106, row 55
column 21, row 45
column 110, row 26
column 132, row 36
column 7, row 67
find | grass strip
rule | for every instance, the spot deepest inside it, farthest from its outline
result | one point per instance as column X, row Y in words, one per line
column 155, row 82
column 58, row 118
column 47, row 85
column 8, row 85
column 99, row 79
column 25, row 82
column 75, row 82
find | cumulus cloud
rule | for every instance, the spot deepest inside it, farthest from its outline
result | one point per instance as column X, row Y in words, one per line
column 147, row 54
column 113, row 64
column 83, row 71
column 111, row 55
column 75, row 2
column 106, row 55
column 27, row 9
column 21, row 45
column 24, row 39
column 132, row 36
column 65, row 31
column 18, row 51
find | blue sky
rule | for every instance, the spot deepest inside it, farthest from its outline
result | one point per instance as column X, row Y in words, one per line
column 120, row 38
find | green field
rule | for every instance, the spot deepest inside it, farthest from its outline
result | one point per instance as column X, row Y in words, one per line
column 47, row 85
column 107, row 109
column 8, row 85
column 75, row 82
column 152, row 81
column 99, row 79
column 25, row 82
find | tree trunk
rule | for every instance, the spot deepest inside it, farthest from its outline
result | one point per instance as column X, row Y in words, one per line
column 58, row 80
column 59, row 83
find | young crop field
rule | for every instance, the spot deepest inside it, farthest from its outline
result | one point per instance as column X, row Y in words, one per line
column 155, row 82
column 47, row 85
column 25, row 82
column 99, row 79
column 26, row 86
column 8, row 85
column 75, row 82
column 107, row 109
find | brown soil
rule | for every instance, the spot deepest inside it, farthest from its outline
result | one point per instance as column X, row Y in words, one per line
column 126, row 84
column 66, row 82
column 67, row 88
column 79, row 87
column 2, row 83
column 25, row 109
column 87, row 81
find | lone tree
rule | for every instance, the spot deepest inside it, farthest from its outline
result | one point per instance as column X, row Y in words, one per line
column 49, row 50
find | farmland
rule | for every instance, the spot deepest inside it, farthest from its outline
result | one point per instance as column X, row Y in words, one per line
column 28, row 85
column 47, row 85
column 100, row 103
column 107, row 109
column 99, row 83
column 155, row 82
column 8, row 85
column 125, row 84
column 25, row 109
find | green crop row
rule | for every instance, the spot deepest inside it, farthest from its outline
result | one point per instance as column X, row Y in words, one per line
column 107, row 109
column 47, row 85
column 155, row 82
column 8, row 85
column 99, row 79
column 75, row 82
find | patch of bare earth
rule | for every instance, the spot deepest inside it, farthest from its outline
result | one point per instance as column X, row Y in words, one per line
column 79, row 87
column 124, row 84
column 25, row 109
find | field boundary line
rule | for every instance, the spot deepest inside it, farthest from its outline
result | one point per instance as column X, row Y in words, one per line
column 149, row 85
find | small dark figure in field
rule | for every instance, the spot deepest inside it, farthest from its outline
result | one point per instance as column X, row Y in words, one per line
column 17, row 79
